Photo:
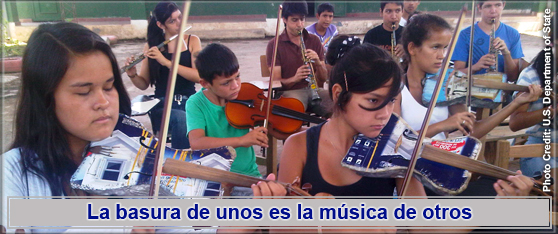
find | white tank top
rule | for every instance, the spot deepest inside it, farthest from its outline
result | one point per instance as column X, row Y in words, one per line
column 413, row 113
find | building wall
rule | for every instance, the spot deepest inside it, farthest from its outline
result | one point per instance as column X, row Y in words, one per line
column 52, row 10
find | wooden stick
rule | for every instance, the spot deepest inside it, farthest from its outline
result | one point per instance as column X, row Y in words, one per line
column 479, row 82
column 441, row 156
column 192, row 170
column 171, row 82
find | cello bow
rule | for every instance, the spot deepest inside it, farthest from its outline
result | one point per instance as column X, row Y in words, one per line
column 273, row 60
column 157, row 167
column 425, row 123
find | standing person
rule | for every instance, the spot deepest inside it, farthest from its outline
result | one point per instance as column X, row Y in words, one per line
column 289, row 67
column 409, row 9
column 531, row 115
column 323, row 28
column 165, row 23
column 64, row 104
column 425, row 40
column 507, row 41
column 382, row 34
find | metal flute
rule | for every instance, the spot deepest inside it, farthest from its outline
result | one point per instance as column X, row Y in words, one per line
column 311, row 78
column 140, row 57
column 393, row 40
column 492, row 49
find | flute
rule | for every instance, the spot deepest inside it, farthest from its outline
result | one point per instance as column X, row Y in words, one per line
column 142, row 56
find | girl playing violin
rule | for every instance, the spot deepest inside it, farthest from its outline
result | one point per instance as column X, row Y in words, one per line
column 424, row 42
column 165, row 23
column 64, row 104
column 364, row 84
column 425, row 38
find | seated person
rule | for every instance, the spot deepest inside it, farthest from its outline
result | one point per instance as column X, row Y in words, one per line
column 323, row 28
column 207, row 123
column 382, row 34
column 164, row 24
column 364, row 101
column 423, row 39
column 506, row 41
column 289, row 67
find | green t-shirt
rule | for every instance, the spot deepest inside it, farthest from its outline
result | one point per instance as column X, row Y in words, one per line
column 203, row 114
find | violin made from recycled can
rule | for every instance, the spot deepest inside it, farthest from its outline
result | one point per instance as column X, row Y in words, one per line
column 388, row 155
column 486, row 91
column 444, row 166
column 122, row 165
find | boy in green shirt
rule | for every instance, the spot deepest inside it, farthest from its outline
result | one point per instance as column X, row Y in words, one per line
column 207, row 123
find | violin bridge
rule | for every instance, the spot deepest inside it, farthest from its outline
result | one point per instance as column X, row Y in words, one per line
column 262, row 106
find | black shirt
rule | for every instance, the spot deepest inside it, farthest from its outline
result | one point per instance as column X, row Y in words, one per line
column 182, row 85
column 366, row 186
column 381, row 37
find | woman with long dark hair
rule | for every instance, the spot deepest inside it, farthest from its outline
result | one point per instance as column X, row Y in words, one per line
column 64, row 104
column 164, row 23
column 425, row 39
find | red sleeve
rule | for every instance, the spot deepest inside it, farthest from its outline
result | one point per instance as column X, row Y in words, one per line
column 269, row 54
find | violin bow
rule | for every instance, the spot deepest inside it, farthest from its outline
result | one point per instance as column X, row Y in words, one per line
column 273, row 60
column 441, row 156
column 158, row 165
column 425, row 123
column 192, row 170
column 470, row 62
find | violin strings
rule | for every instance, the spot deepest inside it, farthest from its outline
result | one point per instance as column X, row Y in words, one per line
column 295, row 114
column 183, row 156
column 143, row 134
column 173, row 157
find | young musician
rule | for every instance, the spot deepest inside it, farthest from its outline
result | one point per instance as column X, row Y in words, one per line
column 382, row 35
column 425, row 40
column 165, row 23
column 323, row 28
column 365, row 86
column 506, row 40
column 289, row 67
column 207, row 123
column 64, row 104
column 531, row 115
column 340, row 45
column 409, row 9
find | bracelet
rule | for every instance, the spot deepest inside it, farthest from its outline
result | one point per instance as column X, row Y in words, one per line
column 134, row 76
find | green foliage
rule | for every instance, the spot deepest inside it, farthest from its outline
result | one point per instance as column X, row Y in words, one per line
column 11, row 47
